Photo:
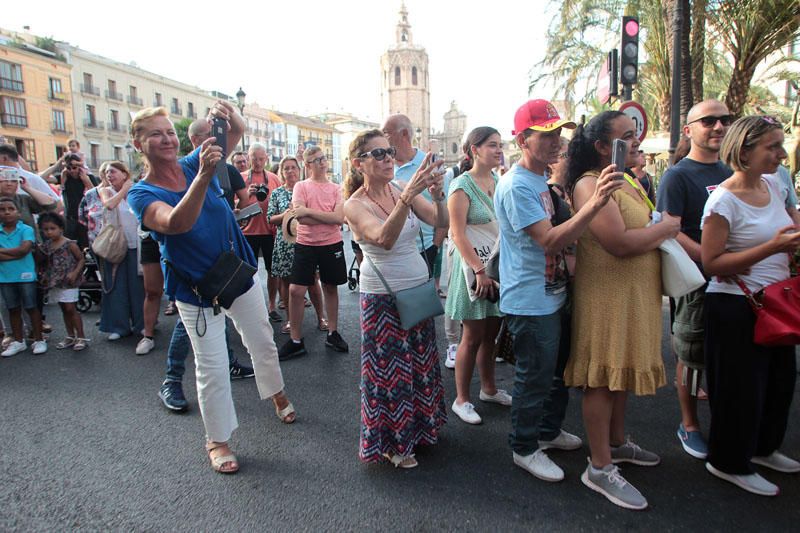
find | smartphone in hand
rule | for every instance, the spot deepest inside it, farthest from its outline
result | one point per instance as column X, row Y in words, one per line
column 619, row 152
column 219, row 130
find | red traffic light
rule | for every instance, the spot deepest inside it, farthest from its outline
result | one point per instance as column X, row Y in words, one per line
column 632, row 28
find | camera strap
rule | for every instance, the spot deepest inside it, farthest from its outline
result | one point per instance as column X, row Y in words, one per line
column 222, row 176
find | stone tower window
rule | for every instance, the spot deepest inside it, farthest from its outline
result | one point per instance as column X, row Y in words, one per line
column 397, row 75
column 404, row 37
column 414, row 75
column 455, row 148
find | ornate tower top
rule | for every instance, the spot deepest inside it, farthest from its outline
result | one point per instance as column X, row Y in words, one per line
column 403, row 27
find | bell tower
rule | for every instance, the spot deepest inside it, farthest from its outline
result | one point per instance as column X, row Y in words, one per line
column 404, row 79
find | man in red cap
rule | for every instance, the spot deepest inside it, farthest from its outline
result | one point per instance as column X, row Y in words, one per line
column 533, row 286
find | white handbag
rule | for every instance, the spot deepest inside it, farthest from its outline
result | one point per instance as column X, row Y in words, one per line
column 679, row 274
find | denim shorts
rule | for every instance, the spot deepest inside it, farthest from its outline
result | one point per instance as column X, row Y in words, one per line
column 22, row 294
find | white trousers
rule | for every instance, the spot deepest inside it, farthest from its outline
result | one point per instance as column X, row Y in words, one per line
column 249, row 315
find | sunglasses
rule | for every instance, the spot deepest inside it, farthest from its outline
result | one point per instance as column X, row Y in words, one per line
column 711, row 121
column 379, row 154
column 319, row 160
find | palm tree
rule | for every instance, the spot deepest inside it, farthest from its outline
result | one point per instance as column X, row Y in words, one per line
column 751, row 30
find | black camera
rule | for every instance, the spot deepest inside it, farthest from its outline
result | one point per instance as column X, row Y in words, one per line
column 262, row 192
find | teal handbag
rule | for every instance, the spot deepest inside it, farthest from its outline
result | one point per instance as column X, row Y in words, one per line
column 416, row 303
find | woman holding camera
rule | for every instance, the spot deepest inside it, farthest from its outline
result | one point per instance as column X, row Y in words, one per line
column 471, row 209
column 402, row 397
column 748, row 237
column 181, row 203
column 616, row 317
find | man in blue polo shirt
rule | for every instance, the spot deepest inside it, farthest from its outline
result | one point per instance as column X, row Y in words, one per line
column 532, row 292
column 18, row 277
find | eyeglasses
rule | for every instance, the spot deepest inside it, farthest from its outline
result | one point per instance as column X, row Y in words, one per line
column 562, row 155
column 318, row 161
column 379, row 154
column 770, row 120
column 711, row 121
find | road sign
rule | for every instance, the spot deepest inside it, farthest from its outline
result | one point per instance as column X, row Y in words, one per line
column 607, row 78
column 639, row 116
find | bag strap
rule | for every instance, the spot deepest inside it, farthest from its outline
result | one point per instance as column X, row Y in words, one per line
column 635, row 185
column 378, row 272
column 751, row 299
column 480, row 194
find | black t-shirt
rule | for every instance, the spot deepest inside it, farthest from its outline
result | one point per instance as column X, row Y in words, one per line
column 237, row 183
column 72, row 191
column 684, row 189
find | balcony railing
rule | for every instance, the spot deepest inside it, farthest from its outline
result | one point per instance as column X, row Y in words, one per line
column 17, row 121
column 93, row 124
column 176, row 110
column 279, row 144
column 58, row 129
column 57, row 96
column 7, row 84
column 135, row 100
column 191, row 114
column 114, row 95
column 257, row 132
column 119, row 128
column 90, row 89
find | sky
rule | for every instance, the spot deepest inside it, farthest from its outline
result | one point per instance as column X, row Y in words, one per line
column 314, row 56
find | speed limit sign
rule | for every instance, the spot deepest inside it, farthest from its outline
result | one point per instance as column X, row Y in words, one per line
column 637, row 113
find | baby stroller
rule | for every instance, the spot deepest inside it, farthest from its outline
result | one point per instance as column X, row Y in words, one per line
column 91, row 289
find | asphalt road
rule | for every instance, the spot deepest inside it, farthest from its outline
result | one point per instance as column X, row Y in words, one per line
column 86, row 445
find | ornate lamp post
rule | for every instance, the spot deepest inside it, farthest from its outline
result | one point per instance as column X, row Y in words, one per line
column 240, row 95
column 129, row 149
column 418, row 136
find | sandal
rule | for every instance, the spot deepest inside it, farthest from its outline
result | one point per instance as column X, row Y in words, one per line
column 80, row 344
column 66, row 343
column 171, row 309
column 402, row 461
column 281, row 305
column 306, row 302
column 322, row 325
column 287, row 414
column 218, row 463
column 286, row 328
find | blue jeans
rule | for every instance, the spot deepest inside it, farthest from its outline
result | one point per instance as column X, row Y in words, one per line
column 541, row 346
column 178, row 350
column 122, row 311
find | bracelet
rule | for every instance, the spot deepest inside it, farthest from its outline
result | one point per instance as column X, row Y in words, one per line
column 480, row 270
column 404, row 201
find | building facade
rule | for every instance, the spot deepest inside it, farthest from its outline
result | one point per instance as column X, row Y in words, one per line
column 447, row 143
column 346, row 127
column 35, row 96
column 404, row 80
column 308, row 131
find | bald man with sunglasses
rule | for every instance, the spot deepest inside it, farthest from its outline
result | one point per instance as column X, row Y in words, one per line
column 683, row 192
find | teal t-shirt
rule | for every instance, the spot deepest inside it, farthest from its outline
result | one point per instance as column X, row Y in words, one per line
column 23, row 269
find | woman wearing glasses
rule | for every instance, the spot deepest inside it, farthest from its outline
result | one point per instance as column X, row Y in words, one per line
column 402, row 398
column 318, row 206
column 747, row 238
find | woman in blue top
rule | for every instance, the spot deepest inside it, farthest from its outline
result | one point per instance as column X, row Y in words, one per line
column 182, row 204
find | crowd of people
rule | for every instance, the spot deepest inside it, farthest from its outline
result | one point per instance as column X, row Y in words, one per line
column 576, row 299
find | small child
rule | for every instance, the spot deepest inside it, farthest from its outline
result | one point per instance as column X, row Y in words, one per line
column 74, row 147
column 18, row 278
column 61, row 267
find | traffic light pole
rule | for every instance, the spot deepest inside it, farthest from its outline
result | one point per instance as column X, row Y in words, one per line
column 627, row 93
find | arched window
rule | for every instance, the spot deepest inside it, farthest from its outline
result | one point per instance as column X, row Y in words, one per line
column 414, row 75
column 397, row 75
column 455, row 148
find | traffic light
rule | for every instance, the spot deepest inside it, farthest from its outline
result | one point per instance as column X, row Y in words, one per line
column 629, row 51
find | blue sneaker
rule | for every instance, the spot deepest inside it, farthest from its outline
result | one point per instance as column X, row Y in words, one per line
column 171, row 394
column 693, row 443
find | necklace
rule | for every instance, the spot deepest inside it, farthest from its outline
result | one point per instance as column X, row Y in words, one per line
column 388, row 214
column 489, row 190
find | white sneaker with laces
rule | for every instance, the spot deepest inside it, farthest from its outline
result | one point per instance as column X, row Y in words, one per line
column 450, row 360
column 564, row 441
column 501, row 397
column 39, row 347
column 777, row 461
column 466, row 412
column 145, row 346
column 14, row 348
column 539, row 465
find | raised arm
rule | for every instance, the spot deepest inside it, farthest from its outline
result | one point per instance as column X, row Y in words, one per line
column 110, row 198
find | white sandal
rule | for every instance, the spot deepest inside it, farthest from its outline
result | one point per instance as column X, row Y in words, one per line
column 402, row 461
column 285, row 413
column 68, row 342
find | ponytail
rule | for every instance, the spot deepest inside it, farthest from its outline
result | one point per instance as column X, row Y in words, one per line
column 352, row 182
column 581, row 153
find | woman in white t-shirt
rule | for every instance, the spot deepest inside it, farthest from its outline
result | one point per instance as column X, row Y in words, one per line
column 747, row 234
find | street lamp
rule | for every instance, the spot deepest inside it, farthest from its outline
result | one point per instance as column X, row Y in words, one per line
column 129, row 149
column 418, row 136
column 240, row 98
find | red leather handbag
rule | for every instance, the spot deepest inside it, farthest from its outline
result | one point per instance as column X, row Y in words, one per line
column 777, row 309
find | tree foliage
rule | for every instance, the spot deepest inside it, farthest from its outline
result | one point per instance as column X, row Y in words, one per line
column 182, row 129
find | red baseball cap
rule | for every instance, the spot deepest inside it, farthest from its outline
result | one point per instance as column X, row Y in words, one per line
column 539, row 115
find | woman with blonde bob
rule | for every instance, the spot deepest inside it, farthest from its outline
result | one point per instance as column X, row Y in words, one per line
column 402, row 397
column 747, row 239
column 181, row 203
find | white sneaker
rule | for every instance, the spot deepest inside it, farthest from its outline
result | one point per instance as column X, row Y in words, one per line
column 39, row 347
column 466, row 412
column 145, row 346
column 14, row 348
column 501, row 397
column 539, row 465
column 777, row 461
column 751, row 483
column 564, row 441
column 450, row 360
column 114, row 337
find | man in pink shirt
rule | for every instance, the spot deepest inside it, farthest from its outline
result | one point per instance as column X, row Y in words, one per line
column 259, row 233
column 318, row 207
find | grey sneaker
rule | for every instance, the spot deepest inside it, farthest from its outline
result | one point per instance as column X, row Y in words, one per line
column 610, row 483
column 631, row 452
